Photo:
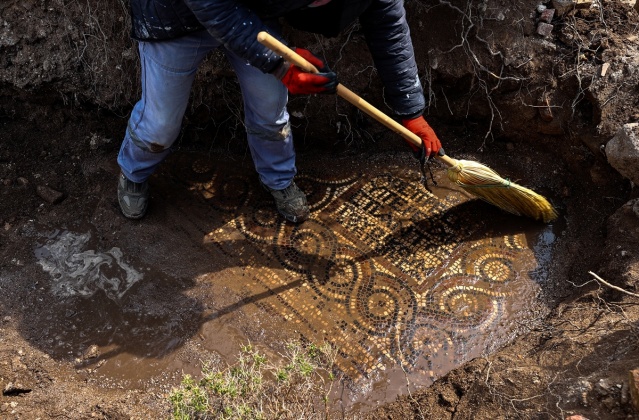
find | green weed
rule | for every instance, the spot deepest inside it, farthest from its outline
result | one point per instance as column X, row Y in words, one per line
column 297, row 385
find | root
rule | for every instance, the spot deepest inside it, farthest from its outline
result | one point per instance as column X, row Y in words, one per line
column 612, row 286
column 486, row 80
column 410, row 394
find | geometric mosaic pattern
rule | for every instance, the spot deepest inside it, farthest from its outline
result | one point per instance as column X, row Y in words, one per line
column 387, row 272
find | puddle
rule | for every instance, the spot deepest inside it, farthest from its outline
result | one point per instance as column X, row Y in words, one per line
column 113, row 315
column 406, row 282
column 76, row 270
column 543, row 249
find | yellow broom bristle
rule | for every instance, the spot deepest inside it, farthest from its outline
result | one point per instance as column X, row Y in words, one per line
column 486, row 184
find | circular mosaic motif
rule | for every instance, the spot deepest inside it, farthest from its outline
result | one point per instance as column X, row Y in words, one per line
column 384, row 270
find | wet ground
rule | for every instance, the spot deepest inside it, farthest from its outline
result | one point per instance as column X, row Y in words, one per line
column 99, row 316
column 407, row 281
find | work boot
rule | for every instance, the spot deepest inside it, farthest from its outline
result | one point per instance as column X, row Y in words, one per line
column 291, row 203
column 133, row 197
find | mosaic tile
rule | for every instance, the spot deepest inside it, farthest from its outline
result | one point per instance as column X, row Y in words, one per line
column 387, row 272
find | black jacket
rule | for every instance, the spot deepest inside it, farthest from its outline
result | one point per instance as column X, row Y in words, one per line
column 236, row 24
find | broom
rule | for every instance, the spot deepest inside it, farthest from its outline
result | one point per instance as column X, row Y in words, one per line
column 477, row 179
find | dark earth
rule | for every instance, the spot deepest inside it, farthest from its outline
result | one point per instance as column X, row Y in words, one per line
column 537, row 107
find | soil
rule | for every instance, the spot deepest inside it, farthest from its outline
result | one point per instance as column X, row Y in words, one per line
column 537, row 106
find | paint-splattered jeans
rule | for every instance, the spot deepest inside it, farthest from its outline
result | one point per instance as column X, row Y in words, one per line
column 168, row 69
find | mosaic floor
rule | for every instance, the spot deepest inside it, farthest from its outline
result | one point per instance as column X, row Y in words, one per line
column 387, row 272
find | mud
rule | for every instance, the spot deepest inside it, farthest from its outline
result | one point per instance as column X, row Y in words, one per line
column 407, row 277
column 399, row 280
column 440, row 306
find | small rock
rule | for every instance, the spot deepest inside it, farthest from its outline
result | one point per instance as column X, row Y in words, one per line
column 583, row 4
column 49, row 195
column 96, row 141
column 563, row 6
column 91, row 353
column 544, row 29
column 635, row 208
column 7, row 182
column 576, row 417
column 547, row 15
column 541, row 8
column 602, row 387
column 22, row 181
column 622, row 152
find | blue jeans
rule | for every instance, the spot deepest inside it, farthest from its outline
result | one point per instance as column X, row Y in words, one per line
column 168, row 69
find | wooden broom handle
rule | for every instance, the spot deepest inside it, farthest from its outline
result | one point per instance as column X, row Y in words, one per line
column 291, row 56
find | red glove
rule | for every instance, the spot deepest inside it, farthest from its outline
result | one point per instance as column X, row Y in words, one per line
column 430, row 143
column 299, row 82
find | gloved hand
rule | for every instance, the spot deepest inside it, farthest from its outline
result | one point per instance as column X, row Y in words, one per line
column 299, row 82
column 430, row 143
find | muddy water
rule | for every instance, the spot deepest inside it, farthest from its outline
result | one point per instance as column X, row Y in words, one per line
column 407, row 281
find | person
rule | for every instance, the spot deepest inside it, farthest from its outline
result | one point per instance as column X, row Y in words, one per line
column 174, row 37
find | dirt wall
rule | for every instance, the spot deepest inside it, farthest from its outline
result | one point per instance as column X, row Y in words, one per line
column 482, row 62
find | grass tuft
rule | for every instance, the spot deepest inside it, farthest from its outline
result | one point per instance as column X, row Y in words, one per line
column 297, row 385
